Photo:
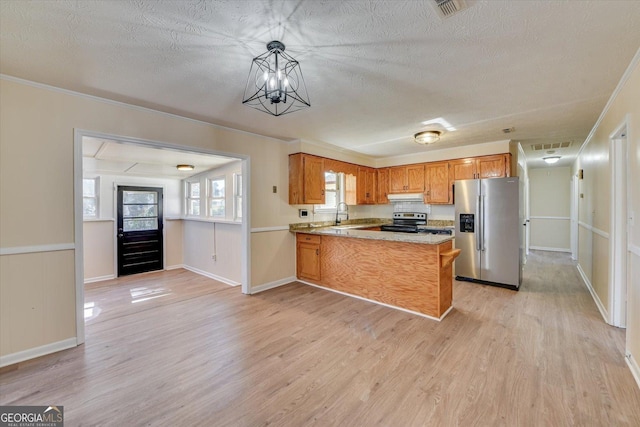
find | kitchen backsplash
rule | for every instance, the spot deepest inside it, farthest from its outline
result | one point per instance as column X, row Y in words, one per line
column 411, row 207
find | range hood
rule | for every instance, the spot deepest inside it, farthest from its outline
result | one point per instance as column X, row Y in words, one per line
column 405, row 197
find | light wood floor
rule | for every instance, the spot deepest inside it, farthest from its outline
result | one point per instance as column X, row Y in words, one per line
column 201, row 353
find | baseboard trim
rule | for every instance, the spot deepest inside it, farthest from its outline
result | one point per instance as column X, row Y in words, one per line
column 544, row 248
column 32, row 353
column 378, row 302
column 596, row 298
column 633, row 365
column 271, row 285
column 99, row 279
column 211, row 275
column 174, row 267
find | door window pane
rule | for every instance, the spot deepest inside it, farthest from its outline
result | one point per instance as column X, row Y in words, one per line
column 139, row 197
column 129, row 211
column 140, row 224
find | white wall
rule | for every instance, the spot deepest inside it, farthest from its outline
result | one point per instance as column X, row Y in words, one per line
column 595, row 240
column 207, row 238
column 550, row 201
column 203, row 240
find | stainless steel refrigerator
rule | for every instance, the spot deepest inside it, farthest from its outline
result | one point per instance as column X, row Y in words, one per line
column 488, row 230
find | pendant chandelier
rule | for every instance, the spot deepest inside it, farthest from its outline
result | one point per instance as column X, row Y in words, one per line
column 275, row 84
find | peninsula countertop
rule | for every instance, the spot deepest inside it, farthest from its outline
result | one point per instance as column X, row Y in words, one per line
column 358, row 231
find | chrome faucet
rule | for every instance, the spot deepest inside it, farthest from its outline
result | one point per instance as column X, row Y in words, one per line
column 338, row 212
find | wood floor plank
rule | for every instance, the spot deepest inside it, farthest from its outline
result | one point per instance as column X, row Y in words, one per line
column 176, row 348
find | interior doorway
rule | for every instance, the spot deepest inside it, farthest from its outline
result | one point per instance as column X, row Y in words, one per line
column 108, row 224
column 618, row 247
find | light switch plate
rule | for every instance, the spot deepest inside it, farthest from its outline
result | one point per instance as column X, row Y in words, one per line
column 303, row 213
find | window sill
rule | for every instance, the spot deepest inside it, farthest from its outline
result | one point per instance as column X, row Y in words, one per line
column 97, row 219
column 212, row 220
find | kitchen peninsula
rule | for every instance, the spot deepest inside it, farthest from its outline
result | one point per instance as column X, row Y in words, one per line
column 412, row 272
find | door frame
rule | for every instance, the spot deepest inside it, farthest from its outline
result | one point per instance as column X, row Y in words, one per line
column 618, row 247
column 575, row 201
column 117, row 184
column 78, row 135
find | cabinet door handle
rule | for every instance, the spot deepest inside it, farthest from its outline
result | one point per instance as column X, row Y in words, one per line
column 323, row 192
column 317, row 251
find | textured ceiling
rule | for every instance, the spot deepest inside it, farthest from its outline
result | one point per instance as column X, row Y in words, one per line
column 374, row 69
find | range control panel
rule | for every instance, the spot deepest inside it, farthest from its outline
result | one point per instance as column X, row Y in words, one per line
column 467, row 223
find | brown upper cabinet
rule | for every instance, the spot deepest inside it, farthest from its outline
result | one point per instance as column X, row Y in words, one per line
column 497, row 166
column 435, row 180
column 383, row 186
column 331, row 165
column 436, row 183
column 306, row 179
column 366, row 185
column 406, row 179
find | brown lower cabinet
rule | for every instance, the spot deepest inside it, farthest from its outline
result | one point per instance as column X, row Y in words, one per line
column 413, row 276
column 308, row 256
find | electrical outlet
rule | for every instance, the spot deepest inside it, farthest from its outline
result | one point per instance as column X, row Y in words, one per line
column 275, row 189
column 213, row 257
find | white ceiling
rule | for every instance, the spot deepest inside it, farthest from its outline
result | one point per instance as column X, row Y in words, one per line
column 374, row 69
column 103, row 156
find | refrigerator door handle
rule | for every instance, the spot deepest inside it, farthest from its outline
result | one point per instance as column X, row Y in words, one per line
column 483, row 247
column 478, row 234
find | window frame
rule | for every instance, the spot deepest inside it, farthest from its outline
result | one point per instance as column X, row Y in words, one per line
column 96, row 197
column 237, row 197
column 188, row 198
column 211, row 198
column 341, row 195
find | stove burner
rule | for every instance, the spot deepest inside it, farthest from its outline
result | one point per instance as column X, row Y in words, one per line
column 436, row 231
column 399, row 228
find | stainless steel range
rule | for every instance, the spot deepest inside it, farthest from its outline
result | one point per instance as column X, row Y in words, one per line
column 412, row 222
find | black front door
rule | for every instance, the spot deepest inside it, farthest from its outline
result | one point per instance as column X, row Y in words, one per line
column 139, row 229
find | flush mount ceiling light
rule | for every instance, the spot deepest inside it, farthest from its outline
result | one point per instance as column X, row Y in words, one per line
column 185, row 167
column 427, row 137
column 275, row 84
column 551, row 159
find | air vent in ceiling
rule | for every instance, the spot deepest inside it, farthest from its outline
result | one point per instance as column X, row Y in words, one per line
column 550, row 146
column 447, row 8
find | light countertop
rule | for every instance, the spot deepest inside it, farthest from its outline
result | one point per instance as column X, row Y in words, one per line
column 355, row 231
